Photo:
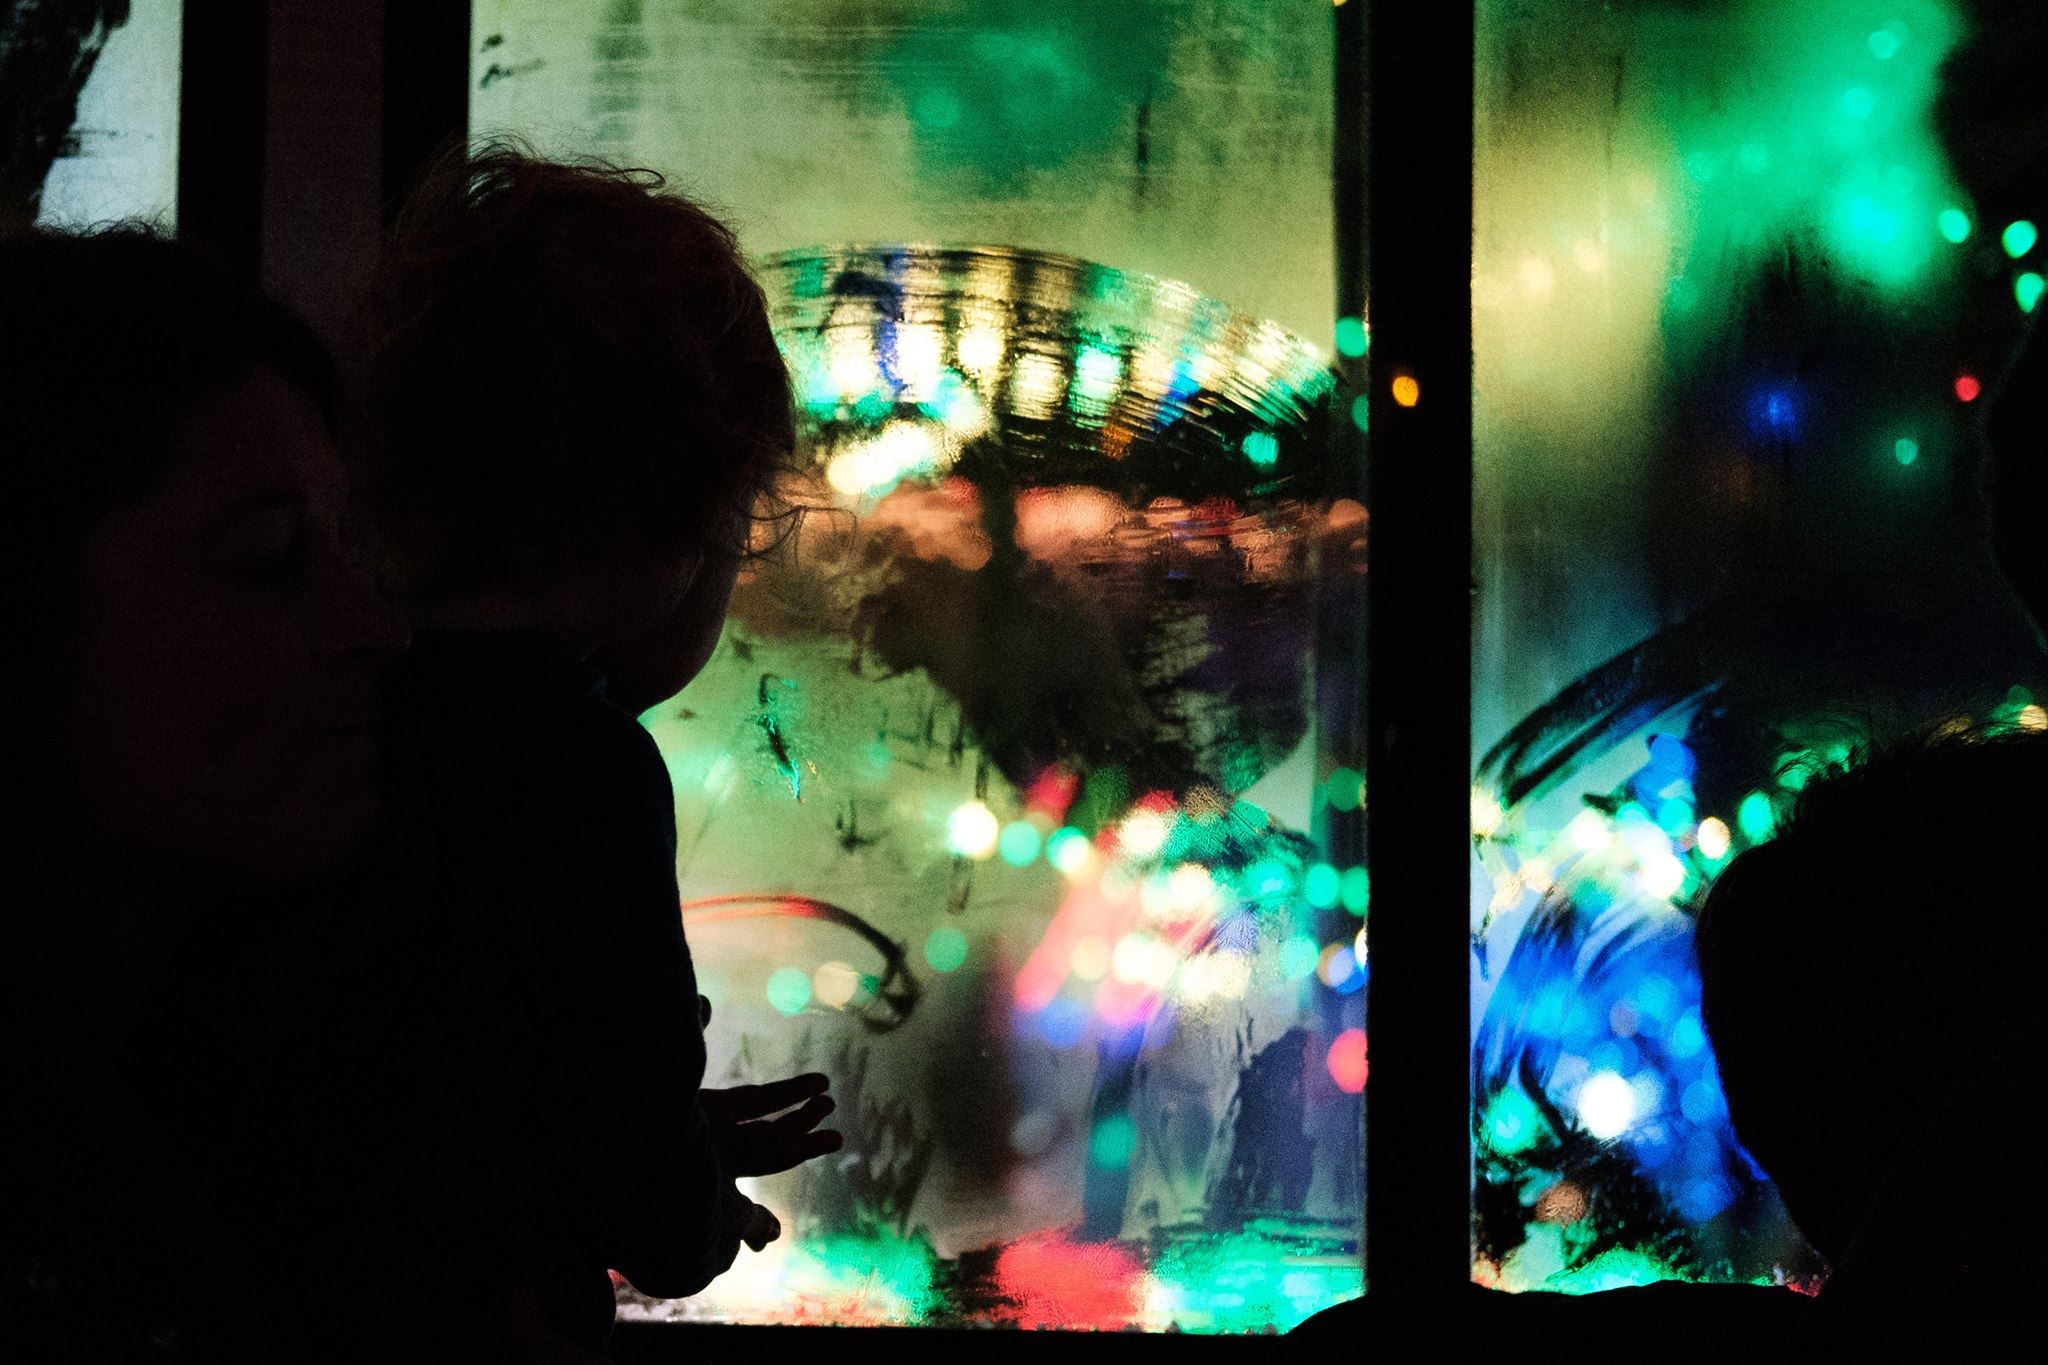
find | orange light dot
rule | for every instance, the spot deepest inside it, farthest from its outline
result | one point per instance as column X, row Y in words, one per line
column 1346, row 1061
column 1967, row 388
column 1406, row 391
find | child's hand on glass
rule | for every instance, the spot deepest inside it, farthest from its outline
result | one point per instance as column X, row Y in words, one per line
column 767, row 1129
column 753, row 1133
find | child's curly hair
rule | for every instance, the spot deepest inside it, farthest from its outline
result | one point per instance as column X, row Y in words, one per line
column 563, row 364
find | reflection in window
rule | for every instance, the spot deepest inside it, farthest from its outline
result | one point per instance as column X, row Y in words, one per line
column 1732, row 302
column 99, row 89
column 1004, row 800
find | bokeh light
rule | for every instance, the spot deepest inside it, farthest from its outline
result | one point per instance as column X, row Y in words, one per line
column 945, row 948
column 1020, row 843
column 972, row 830
column 1606, row 1105
column 1346, row 1061
column 789, row 990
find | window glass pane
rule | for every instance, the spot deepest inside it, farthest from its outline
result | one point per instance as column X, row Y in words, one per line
column 1005, row 799
column 120, row 158
column 1736, row 299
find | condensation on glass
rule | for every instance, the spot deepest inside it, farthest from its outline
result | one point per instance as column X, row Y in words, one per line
column 1733, row 305
column 120, row 159
column 1003, row 800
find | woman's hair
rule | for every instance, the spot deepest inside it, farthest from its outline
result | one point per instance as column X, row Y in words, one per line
column 1858, row 964
column 113, row 336
column 563, row 364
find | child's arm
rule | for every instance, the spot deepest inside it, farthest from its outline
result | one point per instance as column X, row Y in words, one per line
column 633, row 1165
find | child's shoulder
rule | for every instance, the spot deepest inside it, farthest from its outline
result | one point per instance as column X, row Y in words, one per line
column 519, row 717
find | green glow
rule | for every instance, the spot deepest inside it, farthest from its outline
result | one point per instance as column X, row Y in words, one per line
column 1298, row 957
column 1265, row 878
column 1352, row 339
column 1320, row 886
column 1361, row 413
column 1824, row 144
column 1905, row 450
column 1954, row 225
column 1342, row 789
column 2019, row 238
column 945, row 949
column 872, row 1277
column 1512, row 1123
column 789, row 990
column 1019, row 843
column 1066, row 848
column 1267, row 1278
column 1097, row 372
column 2026, row 290
column 1755, row 817
column 1675, row 816
column 1355, row 890
column 1113, row 1141
column 1619, row 1268
column 1262, row 448
column 936, row 109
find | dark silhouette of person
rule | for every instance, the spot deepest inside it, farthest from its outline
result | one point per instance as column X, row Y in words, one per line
column 1876, row 1017
column 573, row 407
column 191, row 709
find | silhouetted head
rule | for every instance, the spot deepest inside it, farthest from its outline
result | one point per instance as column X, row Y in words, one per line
column 1857, row 966
column 571, row 377
column 195, row 659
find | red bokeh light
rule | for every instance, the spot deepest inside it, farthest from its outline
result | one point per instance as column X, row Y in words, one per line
column 1061, row 1284
column 1347, row 1061
column 1967, row 388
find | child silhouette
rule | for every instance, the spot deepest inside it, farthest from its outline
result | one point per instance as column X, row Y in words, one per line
column 573, row 407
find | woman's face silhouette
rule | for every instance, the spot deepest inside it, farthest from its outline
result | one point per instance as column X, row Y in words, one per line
column 229, row 655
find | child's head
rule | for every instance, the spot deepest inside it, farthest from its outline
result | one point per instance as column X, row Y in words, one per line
column 1860, row 964
column 570, row 380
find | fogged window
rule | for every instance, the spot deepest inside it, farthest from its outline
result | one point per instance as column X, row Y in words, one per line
column 1005, row 799
column 1736, row 304
column 92, row 96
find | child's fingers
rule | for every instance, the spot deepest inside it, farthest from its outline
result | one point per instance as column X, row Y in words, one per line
column 773, row 1153
column 762, row 1227
column 744, row 1102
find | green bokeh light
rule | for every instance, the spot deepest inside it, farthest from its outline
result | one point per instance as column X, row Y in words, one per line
column 1019, row 843
column 1113, row 1141
column 1355, row 890
column 1954, row 225
column 1352, row 338
column 1755, row 817
column 1298, row 957
column 1262, row 448
column 1320, row 886
column 1361, row 413
column 945, row 948
column 2019, row 238
column 1512, row 1123
column 2026, row 291
column 1905, row 450
column 789, row 990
